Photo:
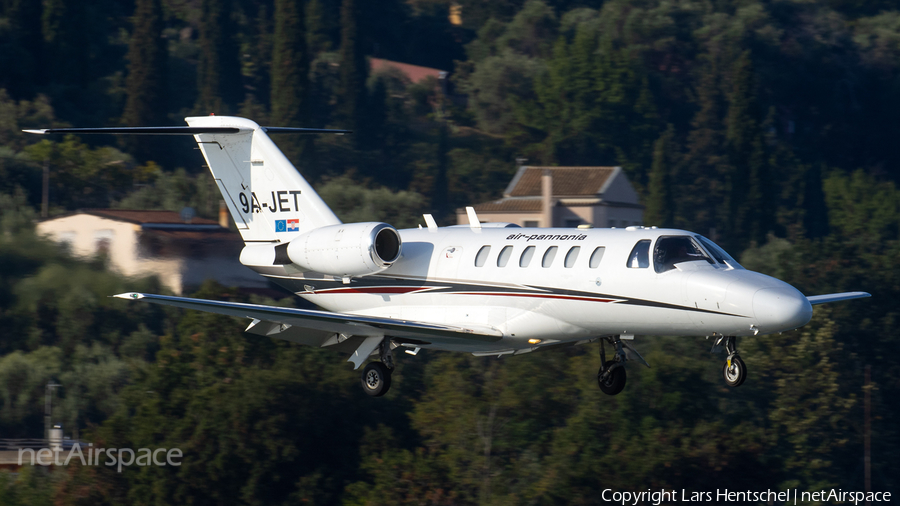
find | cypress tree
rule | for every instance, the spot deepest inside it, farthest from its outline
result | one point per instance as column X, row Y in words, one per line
column 219, row 69
column 146, row 82
column 354, row 70
column 746, row 153
column 259, row 65
column 290, row 72
column 65, row 31
column 703, row 190
column 317, row 39
column 21, row 61
column 660, row 204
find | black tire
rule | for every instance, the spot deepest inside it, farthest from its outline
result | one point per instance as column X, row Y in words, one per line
column 376, row 379
column 614, row 383
column 736, row 374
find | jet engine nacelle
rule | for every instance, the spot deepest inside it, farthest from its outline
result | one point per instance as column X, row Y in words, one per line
column 353, row 249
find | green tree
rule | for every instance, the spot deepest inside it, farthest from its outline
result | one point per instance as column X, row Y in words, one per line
column 65, row 31
column 146, row 83
column 706, row 166
column 660, row 209
column 317, row 28
column 219, row 73
column 354, row 72
column 749, row 175
column 22, row 48
column 290, row 73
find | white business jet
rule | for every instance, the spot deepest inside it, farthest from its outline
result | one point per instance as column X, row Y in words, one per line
column 490, row 289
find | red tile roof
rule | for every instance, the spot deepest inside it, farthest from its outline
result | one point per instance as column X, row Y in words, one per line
column 509, row 206
column 567, row 181
column 414, row 73
column 141, row 217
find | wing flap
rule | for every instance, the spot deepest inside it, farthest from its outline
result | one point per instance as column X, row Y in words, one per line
column 836, row 297
column 336, row 323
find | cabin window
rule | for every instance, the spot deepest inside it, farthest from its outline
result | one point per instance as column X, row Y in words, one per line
column 549, row 255
column 640, row 255
column 596, row 256
column 675, row 250
column 525, row 259
column 571, row 256
column 482, row 255
column 503, row 257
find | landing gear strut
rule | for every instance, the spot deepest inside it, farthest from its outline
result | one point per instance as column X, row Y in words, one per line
column 611, row 376
column 376, row 377
column 734, row 371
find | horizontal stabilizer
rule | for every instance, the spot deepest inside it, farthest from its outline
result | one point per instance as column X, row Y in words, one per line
column 292, row 130
column 182, row 130
column 174, row 130
column 836, row 297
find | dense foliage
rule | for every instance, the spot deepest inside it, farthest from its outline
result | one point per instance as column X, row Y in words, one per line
column 767, row 124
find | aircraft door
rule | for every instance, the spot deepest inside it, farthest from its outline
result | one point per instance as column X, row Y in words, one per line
column 447, row 265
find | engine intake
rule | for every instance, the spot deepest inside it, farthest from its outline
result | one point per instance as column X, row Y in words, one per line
column 353, row 249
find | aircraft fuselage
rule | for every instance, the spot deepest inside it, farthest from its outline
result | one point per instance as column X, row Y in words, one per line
column 558, row 285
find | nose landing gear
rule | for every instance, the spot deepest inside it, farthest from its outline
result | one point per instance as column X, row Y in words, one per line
column 734, row 371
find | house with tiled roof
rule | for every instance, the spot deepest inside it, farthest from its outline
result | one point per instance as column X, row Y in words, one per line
column 414, row 73
column 179, row 248
column 564, row 197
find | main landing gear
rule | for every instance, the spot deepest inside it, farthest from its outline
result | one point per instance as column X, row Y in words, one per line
column 376, row 377
column 611, row 376
column 734, row 371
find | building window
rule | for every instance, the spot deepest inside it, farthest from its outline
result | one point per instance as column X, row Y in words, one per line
column 503, row 257
column 525, row 259
column 640, row 255
column 549, row 255
column 597, row 256
column 103, row 241
column 572, row 256
column 482, row 255
column 530, row 224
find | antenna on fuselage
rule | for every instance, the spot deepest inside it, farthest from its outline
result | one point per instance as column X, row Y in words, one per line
column 474, row 223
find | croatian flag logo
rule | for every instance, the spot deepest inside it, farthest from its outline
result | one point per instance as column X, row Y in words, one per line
column 293, row 225
column 280, row 226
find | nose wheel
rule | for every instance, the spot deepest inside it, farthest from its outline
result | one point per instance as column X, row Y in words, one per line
column 734, row 371
column 611, row 376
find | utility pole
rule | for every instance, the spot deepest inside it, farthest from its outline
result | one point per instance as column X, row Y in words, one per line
column 48, row 408
column 45, row 196
column 867, row 437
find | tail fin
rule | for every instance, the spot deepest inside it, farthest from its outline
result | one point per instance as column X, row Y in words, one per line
column 268, row 198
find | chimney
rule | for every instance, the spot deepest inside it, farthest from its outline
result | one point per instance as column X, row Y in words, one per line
column 547, row 199
column 223, row 215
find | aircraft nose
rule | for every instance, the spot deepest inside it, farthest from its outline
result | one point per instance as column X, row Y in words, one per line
column 779, row 309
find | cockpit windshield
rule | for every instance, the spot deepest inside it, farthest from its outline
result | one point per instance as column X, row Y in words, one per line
column 718, row 253
column 671, row 250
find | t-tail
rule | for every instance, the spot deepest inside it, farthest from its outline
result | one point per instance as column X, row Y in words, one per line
column 278, row 214
column 268, row 198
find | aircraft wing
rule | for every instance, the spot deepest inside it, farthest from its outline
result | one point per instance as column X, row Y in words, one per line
column 836, row 297
column 273, row 320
